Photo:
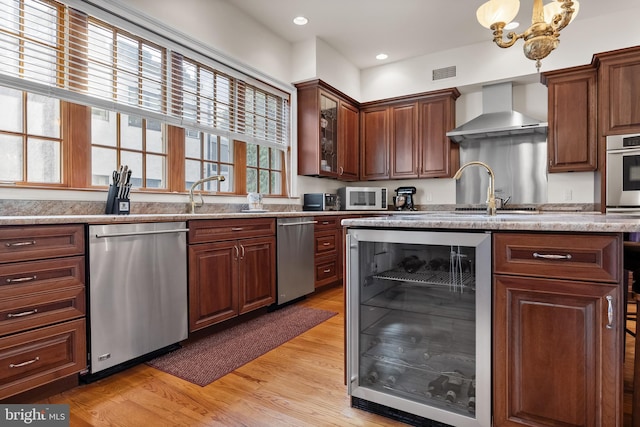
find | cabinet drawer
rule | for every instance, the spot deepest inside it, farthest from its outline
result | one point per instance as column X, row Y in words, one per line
column 23, row 243
column 589, row 257
column 230, row 229
column 38, row 276
column 34, row 358
column 326, row 272
column 325, row 241
column 326, row 222
column 40, row 309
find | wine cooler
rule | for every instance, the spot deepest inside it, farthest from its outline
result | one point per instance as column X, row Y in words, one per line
column 419, row 325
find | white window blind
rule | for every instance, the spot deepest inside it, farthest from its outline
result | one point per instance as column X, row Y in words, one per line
column 58, row 51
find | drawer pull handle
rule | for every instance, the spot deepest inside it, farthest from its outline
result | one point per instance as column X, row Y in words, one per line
column 24, row 313
column 327, row 270
column 237, row 228
column 609, row 311
column 22, row 279
column 326, row 244
column 18, row 244
column 551, row 256
column 20, row 365
column 325, row 222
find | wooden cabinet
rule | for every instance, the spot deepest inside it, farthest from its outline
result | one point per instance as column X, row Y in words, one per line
column 232, row 269
column 618, row 91
column 572, row 139
column 327, row 132
column 374, row 143
column 406, row 137
column 558, row 307
column 328, row 250
column 42, row 306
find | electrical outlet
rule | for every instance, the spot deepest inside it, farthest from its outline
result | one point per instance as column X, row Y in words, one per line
column 568, row 195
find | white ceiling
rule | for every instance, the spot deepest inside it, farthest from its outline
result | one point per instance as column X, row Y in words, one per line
column 360, row 29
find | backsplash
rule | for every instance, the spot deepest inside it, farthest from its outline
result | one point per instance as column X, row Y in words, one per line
column 63, row 207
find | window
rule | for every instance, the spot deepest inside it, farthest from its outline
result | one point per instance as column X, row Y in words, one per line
column 132, row 93
column 30, row 138
column 208, row 155
column 264, row 170
column 122, row 139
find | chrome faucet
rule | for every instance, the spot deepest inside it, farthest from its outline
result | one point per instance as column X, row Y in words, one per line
column 491, row 196
column 199, row 182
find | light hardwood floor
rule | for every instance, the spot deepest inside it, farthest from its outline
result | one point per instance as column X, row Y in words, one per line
column 297, row 384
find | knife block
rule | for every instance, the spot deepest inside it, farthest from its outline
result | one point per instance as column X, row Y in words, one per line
column 115, row 205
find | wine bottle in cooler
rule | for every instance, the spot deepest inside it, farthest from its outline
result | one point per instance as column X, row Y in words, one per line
column 454, row 386
column 471, row 394
column 437, row 387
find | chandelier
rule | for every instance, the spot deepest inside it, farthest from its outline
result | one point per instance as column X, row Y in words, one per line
column 543, row 34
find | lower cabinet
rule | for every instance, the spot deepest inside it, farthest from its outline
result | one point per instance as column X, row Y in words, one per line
column 230, row 277
column 42, row 306
column 328, row 250
column 557, row 339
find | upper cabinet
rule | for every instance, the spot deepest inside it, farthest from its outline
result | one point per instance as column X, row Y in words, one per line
column 374, row 143
column 572, row 138
column 327, row 132
column 618, row 91
column 406, row 137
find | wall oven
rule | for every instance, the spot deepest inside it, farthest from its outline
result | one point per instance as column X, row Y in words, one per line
column 623, row 173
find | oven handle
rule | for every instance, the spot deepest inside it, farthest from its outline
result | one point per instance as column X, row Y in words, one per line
column 635, row 150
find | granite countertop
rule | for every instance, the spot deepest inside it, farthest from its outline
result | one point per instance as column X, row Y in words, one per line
column 548, row 221
column 139, row 218
column 551, row 221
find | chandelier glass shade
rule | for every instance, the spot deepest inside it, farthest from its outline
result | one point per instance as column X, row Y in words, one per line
column 541, row 37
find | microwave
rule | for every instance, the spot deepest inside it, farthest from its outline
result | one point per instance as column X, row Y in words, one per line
column 362, row 198
column 320, row 202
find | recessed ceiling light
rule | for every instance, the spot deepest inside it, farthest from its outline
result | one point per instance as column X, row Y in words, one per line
column 382, row 56
column 512, row 25
column 300, row 20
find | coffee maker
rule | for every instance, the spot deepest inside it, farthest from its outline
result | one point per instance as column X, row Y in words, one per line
column 403, row 200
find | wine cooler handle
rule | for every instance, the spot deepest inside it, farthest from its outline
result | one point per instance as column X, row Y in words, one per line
column 609, row 312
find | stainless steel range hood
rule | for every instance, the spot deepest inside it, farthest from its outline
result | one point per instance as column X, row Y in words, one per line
column 498, row 119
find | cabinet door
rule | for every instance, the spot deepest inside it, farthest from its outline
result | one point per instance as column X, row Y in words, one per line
column 618, row 91
column 374, row 148
column 557, row 355
column 404, row 142
column 348, row 141
column 572, row 138
column 213, row 277
column 257, row 274
column 438, row 157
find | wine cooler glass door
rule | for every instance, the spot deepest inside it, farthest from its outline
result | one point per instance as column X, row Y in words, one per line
column 419, row 323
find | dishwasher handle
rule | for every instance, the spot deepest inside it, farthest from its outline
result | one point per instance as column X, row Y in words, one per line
column 290, row 224
column 142, row 233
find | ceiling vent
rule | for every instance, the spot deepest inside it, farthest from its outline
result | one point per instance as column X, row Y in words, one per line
column 444, row 73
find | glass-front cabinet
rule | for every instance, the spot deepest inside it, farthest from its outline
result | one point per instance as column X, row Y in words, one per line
column 328, row 132
column 419, row 325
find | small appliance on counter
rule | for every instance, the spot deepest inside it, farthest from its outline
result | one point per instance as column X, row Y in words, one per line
column 403, row 200
column 363, row 198
column 321, row 202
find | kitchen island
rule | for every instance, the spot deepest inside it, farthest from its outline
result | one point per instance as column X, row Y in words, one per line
column 557, row 292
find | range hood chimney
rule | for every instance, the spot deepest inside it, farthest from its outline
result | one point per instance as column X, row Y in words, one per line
column 498, row 119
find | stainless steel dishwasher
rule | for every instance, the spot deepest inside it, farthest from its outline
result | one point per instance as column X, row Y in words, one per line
column 137, row 293
column 296, row 268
